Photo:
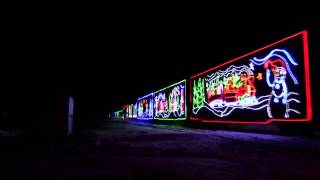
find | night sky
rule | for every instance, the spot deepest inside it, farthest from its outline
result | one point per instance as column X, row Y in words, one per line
column 109, row 56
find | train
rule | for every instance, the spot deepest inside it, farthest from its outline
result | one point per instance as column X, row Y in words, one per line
column 270, row 84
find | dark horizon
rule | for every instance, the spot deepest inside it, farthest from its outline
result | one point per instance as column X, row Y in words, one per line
column 107, row 61
column 106, row 56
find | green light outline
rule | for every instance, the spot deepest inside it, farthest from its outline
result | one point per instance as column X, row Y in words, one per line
column 185, row 102
column 118, row 114
column 118, row 111
column 194, row 99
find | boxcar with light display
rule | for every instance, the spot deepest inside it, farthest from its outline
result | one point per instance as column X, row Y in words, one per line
column 266, row 85
column 170, row 102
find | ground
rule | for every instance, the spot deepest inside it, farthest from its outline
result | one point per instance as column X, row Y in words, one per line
column 134, row 151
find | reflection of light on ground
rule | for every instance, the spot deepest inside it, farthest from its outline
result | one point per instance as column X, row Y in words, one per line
column 251, row 136
column 261, row 137
column 11, row 133
column 246, row 136
column 160, row 126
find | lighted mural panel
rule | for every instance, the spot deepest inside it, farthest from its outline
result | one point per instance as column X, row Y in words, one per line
column 269, row 84
column 170, row 103
column 130, row 113
column 145, row 107
column 135, row 110
column 117, row 114
column 131, row 110
column 126, row 111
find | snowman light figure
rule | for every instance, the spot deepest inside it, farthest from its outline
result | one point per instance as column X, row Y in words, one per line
column 279, row 73
column 277, row 66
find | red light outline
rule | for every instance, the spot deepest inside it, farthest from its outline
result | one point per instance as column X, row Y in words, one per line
column 307, row 74
column 307, row 84
column 125, row 107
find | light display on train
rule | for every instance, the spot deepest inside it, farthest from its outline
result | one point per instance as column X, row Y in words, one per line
column 134, row 110
column 116, row 114
column 126, row 111
column 269, row 84
column 130, row 113
column 170, row 102
column 145, row 107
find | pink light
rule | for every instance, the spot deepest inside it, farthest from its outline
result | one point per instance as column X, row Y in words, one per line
column 228, row 62
column 307, row 74
column 250, row 122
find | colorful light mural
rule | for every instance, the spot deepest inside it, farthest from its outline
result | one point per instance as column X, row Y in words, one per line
column 116, row 114
column 126, row 111
column 269, row 84
column 145, row 107
column 135, row 110
column 170, row 102
column 130, row 111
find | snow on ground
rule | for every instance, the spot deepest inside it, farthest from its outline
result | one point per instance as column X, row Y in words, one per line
column 130, row 151
column 223, row 153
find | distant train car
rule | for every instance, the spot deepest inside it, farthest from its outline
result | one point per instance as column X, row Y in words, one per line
column 170, row 102
column 116, row 115
column 130, row 111
column 127, row 112
column 145, row 107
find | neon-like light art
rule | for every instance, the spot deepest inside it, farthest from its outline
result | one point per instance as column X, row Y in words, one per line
column 269, row 84
column 279, row 68
column 126, row 112
column 145, row 107
column 116, row 114
column 170, row 102
column 130, row 111
column 135, row 110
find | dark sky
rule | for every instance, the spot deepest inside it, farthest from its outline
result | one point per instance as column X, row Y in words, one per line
column 112, row 55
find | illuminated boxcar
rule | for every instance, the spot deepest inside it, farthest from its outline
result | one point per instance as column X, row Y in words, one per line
column 145, row 107
column 130, row 111
column 269, row 84
column 170, row 102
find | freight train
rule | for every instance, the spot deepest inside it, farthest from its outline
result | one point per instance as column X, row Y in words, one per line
column 270, row 84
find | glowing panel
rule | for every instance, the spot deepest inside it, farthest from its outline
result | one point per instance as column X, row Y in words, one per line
column 130, row 111
column 145, row 107
column 268, row 84
column 170, row 103
column 116, row 114
column 126, row 112
column 135, row 110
